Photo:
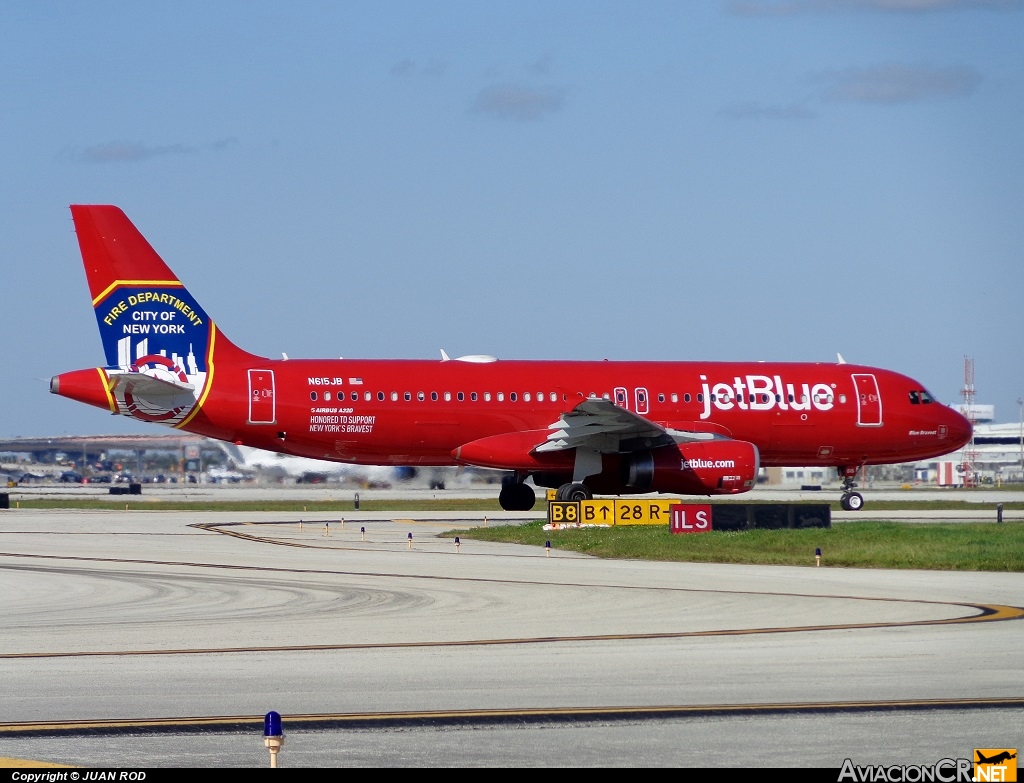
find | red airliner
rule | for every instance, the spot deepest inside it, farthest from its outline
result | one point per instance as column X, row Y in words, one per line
column 691, row 428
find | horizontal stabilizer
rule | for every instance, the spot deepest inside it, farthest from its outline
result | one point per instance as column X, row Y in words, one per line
column 142, row 385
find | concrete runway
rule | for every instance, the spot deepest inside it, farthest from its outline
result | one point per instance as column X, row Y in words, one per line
column 378, row 654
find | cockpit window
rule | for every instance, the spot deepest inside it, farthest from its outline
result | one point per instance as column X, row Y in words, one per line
column 920, row 396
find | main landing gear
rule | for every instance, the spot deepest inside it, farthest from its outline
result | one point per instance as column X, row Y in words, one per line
column 573, row 492
column 515, row 495
column 850, row 500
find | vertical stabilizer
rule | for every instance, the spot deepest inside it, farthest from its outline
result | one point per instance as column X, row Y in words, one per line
column 149, row 323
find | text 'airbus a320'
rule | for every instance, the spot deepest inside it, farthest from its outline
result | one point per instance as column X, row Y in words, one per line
column 688, row 428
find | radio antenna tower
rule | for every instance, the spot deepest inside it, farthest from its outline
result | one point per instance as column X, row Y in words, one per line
column 970, row 453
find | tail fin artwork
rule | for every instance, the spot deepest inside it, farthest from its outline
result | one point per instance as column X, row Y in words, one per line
column 159, row 342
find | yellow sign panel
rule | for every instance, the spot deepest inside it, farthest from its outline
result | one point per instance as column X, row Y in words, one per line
column 643, row 512
column 597, row 512
column 611, row 512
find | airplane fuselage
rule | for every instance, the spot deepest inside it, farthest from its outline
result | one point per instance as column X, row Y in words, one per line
column 408, row 412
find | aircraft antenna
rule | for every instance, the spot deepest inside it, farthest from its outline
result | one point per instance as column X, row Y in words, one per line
column 970, row 410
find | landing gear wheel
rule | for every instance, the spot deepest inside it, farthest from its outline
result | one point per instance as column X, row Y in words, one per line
column 516, row 497
column 854, row 501
column 574, row 492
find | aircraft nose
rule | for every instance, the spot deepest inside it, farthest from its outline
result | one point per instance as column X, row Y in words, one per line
column 960, row 429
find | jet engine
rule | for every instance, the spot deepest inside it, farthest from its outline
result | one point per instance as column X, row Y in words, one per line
column 718, row 467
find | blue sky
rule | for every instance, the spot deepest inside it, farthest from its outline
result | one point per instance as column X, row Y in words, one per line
column 768, row 179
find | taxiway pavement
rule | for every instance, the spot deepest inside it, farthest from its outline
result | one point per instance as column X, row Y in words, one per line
column 141, row 616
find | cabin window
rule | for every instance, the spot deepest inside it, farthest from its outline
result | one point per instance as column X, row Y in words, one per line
column 327, row 396
column 513, row 396
column 394, row 396
column 842, row 399
column 367, row 396
column 408, row 396
column 433, row 396
column 421, row 396
column 487, row 396
column 764, row 398
column 661, row 397
column 312, row 396
column 380, row 396
column 472, row 396
column 447, row 396
column 461, row 396
column 355, row 396
column 501, row 396
column 554, row 397
column 700, row 398
column 675, row 397
column 526, row 396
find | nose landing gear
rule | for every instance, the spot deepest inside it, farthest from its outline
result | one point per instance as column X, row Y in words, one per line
column 850, row 500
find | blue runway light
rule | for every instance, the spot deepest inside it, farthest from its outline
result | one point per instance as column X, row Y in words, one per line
column 273, row 737
column 272, row 724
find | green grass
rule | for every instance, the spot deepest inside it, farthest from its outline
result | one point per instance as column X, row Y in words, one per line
column 950, row 547
column 962, row 546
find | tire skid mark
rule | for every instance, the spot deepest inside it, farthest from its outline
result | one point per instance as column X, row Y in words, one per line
column 978, row 612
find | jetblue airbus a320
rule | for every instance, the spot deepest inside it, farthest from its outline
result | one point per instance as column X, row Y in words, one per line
column 690, row 428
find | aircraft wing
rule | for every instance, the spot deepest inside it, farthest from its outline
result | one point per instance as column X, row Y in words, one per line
column 599, row 425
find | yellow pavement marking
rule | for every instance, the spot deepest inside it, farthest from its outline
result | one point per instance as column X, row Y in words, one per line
column 341, row 720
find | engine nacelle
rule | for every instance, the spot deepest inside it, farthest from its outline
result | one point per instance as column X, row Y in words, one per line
column 717, row 467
